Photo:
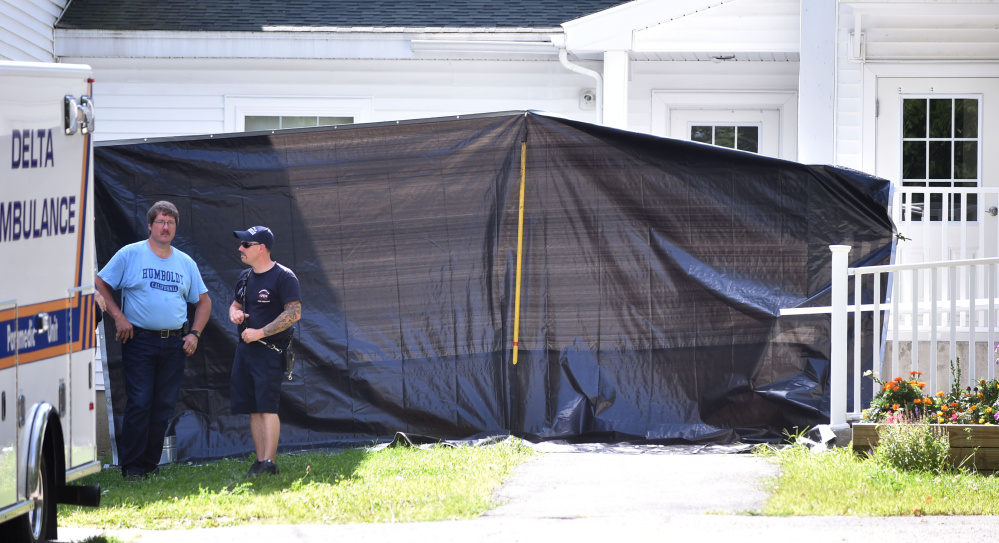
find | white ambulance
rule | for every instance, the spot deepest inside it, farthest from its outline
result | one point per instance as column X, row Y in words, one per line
column 48, row 433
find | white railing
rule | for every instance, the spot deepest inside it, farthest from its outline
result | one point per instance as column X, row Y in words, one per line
column 953, row 312
column 938, row 224
column 940, row 297
column 949, row 315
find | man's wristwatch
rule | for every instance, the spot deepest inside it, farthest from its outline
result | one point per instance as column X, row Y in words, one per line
column 196, row 333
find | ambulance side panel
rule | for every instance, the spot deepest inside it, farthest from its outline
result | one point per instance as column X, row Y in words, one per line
column 47, row 310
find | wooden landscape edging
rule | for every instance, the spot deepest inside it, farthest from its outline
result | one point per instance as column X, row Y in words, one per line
column 974, row 445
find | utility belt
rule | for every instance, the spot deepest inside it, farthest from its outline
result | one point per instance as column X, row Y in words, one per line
column 162, row 333
column 282, row 346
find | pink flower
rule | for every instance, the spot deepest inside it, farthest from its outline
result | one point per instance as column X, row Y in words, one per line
column 953, row 417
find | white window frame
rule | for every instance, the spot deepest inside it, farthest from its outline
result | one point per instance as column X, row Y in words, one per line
column 237, row 108
column 784, row 103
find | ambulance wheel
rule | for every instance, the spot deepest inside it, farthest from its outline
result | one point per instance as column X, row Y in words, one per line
column 32, row 527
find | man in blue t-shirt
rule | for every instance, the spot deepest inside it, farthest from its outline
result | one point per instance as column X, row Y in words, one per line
column 267, row 303
column 157, row 281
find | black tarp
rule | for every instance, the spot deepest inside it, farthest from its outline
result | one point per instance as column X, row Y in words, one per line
column 653, row 272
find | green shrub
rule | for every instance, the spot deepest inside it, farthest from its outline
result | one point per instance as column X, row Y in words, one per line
column 913, row 446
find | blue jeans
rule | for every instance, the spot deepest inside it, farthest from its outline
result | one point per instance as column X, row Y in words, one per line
column 154, row 369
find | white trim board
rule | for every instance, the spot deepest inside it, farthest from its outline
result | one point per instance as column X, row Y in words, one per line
column 784, row 102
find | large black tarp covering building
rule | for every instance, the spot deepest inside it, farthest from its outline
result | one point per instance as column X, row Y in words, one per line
column 653, row 272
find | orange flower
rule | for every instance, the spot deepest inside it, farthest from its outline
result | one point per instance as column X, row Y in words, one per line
column 921, row 384
column 944, row 408
column 916, row 373
column 895, row 406
column 894, row 388
column 940, row 393
column 898, row 379
column 954, row 404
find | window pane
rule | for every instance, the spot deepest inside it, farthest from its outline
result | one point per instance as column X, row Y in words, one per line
column 940, row 156
column 965, row 160
column 936, row 206
column 965, row 118
column 330, row 121
column 701, row 134
column 749, row 138
column 914, row 160
column 298, row 122
column 915, row 207
column 914, row 118
column 254, row 123
column 940, row 118
column 725, row 136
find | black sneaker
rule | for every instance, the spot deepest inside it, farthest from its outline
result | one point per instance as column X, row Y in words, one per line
column 268, row 466
column 255, row 469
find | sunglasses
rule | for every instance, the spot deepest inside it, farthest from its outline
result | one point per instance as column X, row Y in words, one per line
column 248, row 244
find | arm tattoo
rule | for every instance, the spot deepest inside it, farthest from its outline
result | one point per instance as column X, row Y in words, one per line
column 292, row 312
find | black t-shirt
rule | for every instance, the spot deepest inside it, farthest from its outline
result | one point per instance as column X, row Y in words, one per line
column 266, row 295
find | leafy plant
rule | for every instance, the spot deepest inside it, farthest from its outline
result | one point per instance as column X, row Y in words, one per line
column 913, row 445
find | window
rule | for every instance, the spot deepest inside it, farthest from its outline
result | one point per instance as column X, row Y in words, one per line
column 271, row 122
column 941, row 148
column 252, row 113
column 743, row 138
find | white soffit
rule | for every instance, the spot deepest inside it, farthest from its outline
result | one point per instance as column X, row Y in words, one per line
column 740, row 26
column 925, row 30
column 766, row 30
column 613, row 29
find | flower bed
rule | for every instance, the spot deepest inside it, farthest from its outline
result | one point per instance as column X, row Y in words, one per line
column 971, row 445
column 968, row 415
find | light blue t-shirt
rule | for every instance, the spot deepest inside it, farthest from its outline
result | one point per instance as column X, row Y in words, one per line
column 155, row 291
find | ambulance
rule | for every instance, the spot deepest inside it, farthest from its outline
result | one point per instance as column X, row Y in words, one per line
column 48, row 430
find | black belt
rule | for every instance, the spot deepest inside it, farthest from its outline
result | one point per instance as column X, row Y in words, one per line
column 162, row 333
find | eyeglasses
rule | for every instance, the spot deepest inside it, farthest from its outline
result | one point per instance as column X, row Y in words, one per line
column 248, row 244
column 161, row 223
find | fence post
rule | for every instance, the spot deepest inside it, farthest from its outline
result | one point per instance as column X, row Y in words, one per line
column 838, row 339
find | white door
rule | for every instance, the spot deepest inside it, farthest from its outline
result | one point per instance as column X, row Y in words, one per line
column 934, row 140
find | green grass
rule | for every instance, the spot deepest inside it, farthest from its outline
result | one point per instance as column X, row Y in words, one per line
column 840, row 482
column 391, row 485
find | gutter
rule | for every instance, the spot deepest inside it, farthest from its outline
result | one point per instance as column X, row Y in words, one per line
column 563, row 57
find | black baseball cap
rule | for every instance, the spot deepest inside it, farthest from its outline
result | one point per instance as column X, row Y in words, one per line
column 259, row 234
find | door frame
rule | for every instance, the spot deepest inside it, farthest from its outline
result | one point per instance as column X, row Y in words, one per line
column 874, row 71
column 786, row 103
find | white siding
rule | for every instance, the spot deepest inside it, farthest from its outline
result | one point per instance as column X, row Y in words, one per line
column 139, row 98
column 849, row 149
column 26, row 29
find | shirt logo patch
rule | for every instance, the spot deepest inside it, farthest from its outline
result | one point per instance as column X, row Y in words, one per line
column 264, row 296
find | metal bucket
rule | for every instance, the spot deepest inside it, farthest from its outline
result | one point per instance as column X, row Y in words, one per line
column 169, row 450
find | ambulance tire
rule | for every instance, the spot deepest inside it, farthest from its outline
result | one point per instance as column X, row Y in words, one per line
column 33, row 527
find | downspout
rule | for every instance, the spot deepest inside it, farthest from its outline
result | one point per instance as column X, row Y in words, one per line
column 563, row 57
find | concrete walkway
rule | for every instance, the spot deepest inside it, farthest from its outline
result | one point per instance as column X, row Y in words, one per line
column 611, row 494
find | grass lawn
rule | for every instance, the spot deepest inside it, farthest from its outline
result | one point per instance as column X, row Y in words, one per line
column 840, row 482
column 397, row 484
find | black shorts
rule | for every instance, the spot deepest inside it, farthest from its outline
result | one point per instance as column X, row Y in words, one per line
column 255, row 383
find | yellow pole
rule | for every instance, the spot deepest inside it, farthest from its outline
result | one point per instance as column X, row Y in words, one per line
column 520, row 246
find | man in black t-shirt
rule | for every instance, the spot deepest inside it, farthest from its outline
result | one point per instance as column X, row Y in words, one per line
column 267, row 303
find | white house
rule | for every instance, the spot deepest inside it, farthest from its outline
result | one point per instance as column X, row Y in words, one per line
column 903, row 89
column 818, row 81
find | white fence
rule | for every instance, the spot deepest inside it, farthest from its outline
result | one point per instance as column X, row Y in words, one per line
column 950, row 315
column 940, row 297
